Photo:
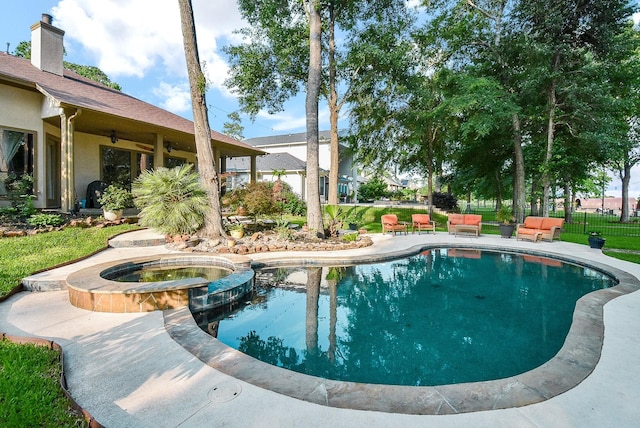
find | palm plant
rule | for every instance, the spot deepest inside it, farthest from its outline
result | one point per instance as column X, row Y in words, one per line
column 172, row 201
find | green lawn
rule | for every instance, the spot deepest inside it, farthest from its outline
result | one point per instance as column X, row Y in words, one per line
column 22, row 256
column 30, row 393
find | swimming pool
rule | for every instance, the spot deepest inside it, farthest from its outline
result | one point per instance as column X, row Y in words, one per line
column 444, row 316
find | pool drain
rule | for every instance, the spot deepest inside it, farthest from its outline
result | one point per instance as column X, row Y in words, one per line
column 224, row 392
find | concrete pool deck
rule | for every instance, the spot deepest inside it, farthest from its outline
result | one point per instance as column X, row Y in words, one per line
column 126, row 370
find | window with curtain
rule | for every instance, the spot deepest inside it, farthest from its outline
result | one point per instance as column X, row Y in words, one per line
column 16, row 155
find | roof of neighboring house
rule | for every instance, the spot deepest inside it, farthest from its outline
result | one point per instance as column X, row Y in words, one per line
column 268, row 163
column 300, row 137
column 75, row 91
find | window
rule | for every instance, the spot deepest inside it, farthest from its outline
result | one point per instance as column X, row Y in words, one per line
column 122, row 166
column 170, row 162
column 16, row 155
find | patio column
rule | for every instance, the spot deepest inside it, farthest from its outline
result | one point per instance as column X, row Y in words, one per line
column 67, row 182
column 158, row 152
column 253, row 170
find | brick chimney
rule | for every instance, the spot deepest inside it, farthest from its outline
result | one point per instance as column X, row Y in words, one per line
column 46, row 46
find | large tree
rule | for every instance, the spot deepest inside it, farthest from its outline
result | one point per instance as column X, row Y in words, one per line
column 567, row 34
column 270, row 66
column 198, row 85
column 314, row 212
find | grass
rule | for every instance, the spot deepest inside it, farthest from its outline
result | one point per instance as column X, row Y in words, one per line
column 22, row 256
column 30, row 393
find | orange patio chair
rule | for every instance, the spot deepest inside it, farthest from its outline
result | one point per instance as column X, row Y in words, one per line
column 422, row 222
column 390, row 224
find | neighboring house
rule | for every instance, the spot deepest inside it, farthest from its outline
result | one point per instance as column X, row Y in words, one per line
column 69, row 131
column 296, row 145
column 611, row 205
column 393, row 185
column 295, row 171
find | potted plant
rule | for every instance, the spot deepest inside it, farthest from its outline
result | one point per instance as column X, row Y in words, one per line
column 236, row 230
column 505, row 218
column 596, row 240
column 352, row 219
column 114, row 200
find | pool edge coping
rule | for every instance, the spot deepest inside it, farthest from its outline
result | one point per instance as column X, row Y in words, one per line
column 573, row 363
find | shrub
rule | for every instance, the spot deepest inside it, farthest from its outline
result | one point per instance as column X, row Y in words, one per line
column 373, row 189
column 256, row 198
column 172, row 201
column 20, row 193
column 116, row 198
column 43, row 220
column 445, row 201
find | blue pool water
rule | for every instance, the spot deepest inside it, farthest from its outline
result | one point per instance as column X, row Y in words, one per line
column 441, row 317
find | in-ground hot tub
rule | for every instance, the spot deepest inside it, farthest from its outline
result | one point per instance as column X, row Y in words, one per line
column 96, row 288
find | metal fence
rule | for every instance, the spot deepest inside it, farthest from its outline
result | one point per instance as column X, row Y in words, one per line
column 582, row 222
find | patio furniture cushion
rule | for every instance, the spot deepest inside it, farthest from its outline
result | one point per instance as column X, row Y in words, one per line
column 533, row 222
column 472, row 219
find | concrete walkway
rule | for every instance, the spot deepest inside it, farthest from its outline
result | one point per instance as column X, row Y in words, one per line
column 127, row 371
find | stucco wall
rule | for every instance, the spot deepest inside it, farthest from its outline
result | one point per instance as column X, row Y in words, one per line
column 21, row 111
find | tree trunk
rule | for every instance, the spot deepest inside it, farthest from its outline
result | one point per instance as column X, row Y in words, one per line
column 551, row 126
column 314, row 211
column 333, row 111
column 534, row 201
column 625, row 177
column 568, row 198
column 206, row 162
column 430, row 174
column 314, row 277
column 519, row 197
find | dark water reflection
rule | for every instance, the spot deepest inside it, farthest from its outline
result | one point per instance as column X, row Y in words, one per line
column 444, row 316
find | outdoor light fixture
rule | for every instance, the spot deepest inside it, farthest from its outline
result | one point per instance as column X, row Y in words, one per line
column 114, row 137
column 168, row 146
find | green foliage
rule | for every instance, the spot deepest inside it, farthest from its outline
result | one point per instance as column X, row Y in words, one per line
column 233, row 128
column 256, row 198
column 505, row 214
column 44, row 219
column 333, row 221
column 284, row 232
column 116, row 198
column 30, row 390
column 93, row 73
column 20, row 193
column 372, row 190
column 350, row 237
column 172, row 201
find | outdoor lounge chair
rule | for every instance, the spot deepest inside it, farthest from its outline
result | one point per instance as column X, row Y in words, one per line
column 422, row 222
column 390, row 224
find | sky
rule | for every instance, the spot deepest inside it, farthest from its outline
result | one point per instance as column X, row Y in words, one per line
column 140, row 48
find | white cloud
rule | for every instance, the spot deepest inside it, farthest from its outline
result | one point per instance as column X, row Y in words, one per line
column 175, row 98
column 135, row 37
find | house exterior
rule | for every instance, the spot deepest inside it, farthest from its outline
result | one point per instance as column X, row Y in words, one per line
column 69, row 131
column 293, row 171
column 296, row 145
